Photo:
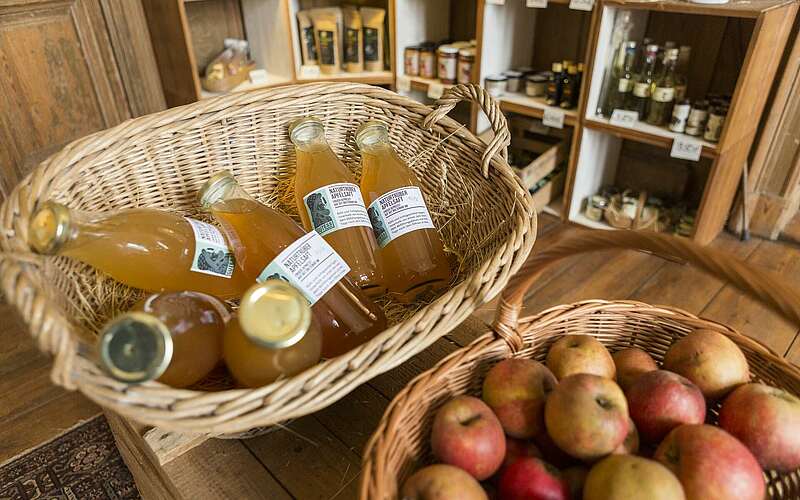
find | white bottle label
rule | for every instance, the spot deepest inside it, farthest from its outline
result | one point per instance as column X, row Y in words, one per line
column 664, row 94
column 641, row 89
column 625, row 85
column 336, row 206
column 398, row 212
column 211, row 253
column 309, row 264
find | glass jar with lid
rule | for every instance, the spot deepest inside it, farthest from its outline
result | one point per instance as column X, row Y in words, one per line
column 411, row 60
column 427, row 61
column 466, row 61
column 448, row 63
column 536, row 84
column 495, row 85
column 514, row 80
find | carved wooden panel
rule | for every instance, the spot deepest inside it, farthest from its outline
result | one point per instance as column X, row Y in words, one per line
column 58, row 79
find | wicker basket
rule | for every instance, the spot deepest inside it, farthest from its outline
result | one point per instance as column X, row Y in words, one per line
column 400, row 443
column 485, row 218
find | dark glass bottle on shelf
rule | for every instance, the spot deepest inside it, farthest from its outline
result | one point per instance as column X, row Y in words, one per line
column 569, row 89
column 664, row 91
column 621, row 81
column 639, row 98
column 554, row 85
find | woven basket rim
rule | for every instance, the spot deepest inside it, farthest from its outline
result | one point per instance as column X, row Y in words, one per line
column 74, row 367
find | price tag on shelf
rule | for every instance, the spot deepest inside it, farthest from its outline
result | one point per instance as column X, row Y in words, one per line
column 536, row 4
column 624, row 118
column 308, row 71
column 496, row 2
column 435, row 90
column 553, row 118
column 581, row 4
column 403, row 83
column 686, row 148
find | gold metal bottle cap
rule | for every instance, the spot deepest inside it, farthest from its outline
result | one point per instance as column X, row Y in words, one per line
column 135, row 347
column 371, row 132
column 215, row 188
column 274, row 314
column 305, row 129
column 49, row 228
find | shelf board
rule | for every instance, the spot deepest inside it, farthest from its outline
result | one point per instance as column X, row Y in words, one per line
column 516, row 102
column 272, row 81
column 370, row 77
column 649, row 134
column 735, row 8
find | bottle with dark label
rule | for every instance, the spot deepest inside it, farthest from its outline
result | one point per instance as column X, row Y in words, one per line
column 569, row 89
column 664, row 91
column 554, row 88
column 622, row 80
column 639, row 97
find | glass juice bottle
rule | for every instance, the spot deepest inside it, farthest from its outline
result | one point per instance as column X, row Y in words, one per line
column 639, row 98
column 269, row 245
column 274, row 335
column 414, row 262
column 329, row 201
column 175, row 337
column 144, row 248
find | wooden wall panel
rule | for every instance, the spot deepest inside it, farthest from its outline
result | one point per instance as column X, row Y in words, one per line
column 560, row 33
column 210, row 22
column 58, row 81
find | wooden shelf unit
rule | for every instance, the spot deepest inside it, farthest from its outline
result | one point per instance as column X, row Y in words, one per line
column 736, row 49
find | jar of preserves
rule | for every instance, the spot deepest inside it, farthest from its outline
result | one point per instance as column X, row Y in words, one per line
column 495, row 85
column 595, row 207
column 698, row 115
column 448, row 64
column 466, row 60
column 411, row 60
column 716, row 120
column 536, row 85
column 427, row 61
column 514, row 80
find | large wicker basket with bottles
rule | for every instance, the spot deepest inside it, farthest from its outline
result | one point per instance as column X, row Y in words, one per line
column 484, row 216
column 401, row 442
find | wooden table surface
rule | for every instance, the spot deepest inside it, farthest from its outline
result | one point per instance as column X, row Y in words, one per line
column 319, row 456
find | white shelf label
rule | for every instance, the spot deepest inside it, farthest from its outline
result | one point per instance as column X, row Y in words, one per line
column 553, row 118
column 624, row 118
column 496, row 2
column 536, row 4
column 309, row 71
column 435, row 90
column 686, row 148
column 403, row 83
column 259, row 77
column 581, row 4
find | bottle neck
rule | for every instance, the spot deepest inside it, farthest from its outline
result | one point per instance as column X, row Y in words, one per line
column 54, row 228
column 220, row 189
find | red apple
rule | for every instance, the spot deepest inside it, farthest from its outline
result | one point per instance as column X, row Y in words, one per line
column 630, row 445
column 531, row 479
column 575, row 478
column 660, row 400
column 587, row 416
column 467, row 434
column 517, row 448
column 711, row 464
column 712, row 361
column 627, row 477
column 573, row 354
column 442, row 482
column 631, row 363
column 767, row 421
column 515, row 389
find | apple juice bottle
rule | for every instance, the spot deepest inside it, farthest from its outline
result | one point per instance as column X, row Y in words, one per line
column 273, row 335
column 173, row 337
column 330, row 203
column 144, row 248
column 269, row 245
column 414, row 262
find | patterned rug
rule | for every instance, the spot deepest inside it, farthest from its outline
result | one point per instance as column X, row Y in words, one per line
column 82, row 464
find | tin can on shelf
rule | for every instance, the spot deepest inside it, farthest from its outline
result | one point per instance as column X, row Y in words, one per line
column 411, row 60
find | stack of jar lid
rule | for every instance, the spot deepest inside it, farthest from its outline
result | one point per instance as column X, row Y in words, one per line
column 450, row 62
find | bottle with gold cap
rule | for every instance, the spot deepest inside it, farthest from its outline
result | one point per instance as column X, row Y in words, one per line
column 174, row 337
column 270, row 245
column 414, row 262
column 144, row 248
column 329, row 201
column 274, row 335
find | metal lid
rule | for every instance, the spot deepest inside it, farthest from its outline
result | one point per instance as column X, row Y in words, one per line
column 496, row 78
column 49, row 228
column 371, row 132
column 511, row 73
column 135, row 347
column 215, row 188
column 448, row 49
column 274, row 314
column 538, row 78
column 466, row 52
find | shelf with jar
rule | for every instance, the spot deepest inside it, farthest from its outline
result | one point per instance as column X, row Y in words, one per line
column 688, row 81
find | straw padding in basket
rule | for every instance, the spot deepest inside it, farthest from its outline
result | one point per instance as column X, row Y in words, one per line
column 485, row 217
column 400, row 443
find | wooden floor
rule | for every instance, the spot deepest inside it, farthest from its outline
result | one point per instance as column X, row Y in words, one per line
column 318, row 456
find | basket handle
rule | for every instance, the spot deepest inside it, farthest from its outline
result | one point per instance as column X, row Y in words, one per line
column 474, row 93
column 765, row 286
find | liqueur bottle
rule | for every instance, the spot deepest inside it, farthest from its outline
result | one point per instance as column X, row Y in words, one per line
column 622, row 81
column 639, row 98
column 663, row 96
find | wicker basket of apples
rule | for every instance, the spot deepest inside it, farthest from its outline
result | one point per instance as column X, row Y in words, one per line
column 612, row 400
